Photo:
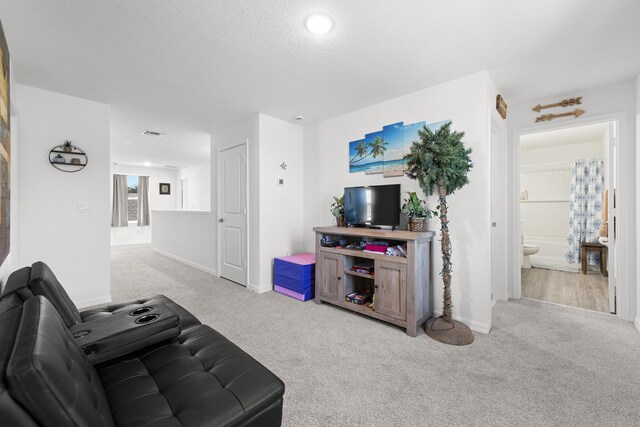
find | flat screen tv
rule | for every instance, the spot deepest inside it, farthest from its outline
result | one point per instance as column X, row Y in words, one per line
column 372, row 206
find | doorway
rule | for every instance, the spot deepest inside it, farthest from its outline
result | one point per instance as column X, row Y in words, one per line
column 567, row 216
column 232, row 212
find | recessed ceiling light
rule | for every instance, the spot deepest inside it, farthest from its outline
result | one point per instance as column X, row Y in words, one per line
column 147, row 164
column 319, row 23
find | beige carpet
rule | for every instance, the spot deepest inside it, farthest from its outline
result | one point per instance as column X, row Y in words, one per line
column 542, row 364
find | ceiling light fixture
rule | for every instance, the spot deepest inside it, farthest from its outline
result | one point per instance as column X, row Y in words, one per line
column 147, row 164
column 319, row 23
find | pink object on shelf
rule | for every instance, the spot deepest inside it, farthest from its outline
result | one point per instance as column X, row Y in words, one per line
column 376, row 248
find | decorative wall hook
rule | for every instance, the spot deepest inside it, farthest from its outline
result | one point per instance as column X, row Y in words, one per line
column 283, row 166
column 564, row 103
column 548, row 117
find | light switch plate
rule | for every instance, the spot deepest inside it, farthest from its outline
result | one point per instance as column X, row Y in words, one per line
column 280, row 182
column 84, row 207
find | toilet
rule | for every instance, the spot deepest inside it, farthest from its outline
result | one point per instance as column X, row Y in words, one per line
column 526, row 251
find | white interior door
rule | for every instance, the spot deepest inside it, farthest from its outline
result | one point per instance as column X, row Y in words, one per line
column 232, row 213
column 612, row 258
column 499, row 255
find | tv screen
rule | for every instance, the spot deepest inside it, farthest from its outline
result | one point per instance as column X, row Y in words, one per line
column 373, row 205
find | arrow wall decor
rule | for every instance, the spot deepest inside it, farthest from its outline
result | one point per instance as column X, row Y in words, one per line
column 564, row 103
column 548, row 117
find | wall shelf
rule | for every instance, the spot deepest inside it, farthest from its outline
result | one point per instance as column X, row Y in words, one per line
column 61, row 157
column 545, row 201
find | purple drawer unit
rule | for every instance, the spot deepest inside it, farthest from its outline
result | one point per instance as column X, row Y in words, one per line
column 295, row 272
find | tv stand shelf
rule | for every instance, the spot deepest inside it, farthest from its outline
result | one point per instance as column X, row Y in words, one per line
column 402, row 286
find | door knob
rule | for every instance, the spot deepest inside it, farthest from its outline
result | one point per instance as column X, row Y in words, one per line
column 221, row 220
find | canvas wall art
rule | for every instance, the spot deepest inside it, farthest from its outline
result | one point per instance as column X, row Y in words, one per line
column 383, row 151
column 5, row 149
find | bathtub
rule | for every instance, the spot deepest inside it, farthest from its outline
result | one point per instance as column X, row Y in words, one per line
column 551, row 254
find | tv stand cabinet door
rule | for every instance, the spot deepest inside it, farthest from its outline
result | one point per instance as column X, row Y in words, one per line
column 391, row 289
column 330, row 280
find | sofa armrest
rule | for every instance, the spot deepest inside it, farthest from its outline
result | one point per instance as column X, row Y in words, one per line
column 107, row 338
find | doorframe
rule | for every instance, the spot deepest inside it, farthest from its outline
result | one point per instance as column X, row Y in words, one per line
column 626, row 184
column 500, row 285
column 243, row 142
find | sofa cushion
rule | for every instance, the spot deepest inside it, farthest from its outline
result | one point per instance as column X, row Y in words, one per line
column 50, row 376
column 11, row 413
column 186, row 319
column 198, row 379
column 44, row 282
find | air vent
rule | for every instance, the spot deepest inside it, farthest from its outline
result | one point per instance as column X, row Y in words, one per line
column 170, row 167
column 153, row 133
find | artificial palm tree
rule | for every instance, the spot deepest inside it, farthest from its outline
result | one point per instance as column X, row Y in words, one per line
column 440, row 162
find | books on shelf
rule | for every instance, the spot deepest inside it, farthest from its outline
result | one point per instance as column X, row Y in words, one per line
column 359, row 298
column 365, row 267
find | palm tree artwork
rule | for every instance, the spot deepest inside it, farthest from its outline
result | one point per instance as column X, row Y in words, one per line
column 375, row 148
column 440, row 163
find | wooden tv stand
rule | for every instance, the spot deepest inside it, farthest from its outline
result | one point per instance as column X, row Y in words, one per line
column 402, row 286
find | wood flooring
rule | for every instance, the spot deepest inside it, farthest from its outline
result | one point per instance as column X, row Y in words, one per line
column 589, row 291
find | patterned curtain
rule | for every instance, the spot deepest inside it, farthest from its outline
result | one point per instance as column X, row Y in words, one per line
column 585, row 208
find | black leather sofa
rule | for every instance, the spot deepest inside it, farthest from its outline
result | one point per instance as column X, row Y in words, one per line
column 181, row 373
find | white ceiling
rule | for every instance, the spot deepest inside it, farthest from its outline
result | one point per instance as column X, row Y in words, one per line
column 184, row 67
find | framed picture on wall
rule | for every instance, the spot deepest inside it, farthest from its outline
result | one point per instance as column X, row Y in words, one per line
column 165, row 188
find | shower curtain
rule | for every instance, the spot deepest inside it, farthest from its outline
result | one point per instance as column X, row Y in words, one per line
column 585, row 208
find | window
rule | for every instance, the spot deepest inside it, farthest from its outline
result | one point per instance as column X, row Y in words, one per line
column 132, row 197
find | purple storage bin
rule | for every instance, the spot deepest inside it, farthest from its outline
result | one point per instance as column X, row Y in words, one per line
column 295, row 272
column 305, row 296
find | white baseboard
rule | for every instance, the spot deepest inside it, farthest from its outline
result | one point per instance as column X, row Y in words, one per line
column 131, row 244
column 259, row 289
column 637, row 323
column 94, row 301
column 184, row 261
column 481, row 328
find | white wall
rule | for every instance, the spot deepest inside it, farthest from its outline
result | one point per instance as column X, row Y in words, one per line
column 188, row 236
column 246, row 130
column 603, row 103
column 327, row 145
column 280, row 206
column 75, row 245
column 198, row 186
column 134, row 235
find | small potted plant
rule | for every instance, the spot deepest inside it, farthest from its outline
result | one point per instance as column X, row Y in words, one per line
column 67, row 147
column 417, row 211
column 337, row 210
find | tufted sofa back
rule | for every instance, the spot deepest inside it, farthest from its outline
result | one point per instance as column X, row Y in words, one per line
column 11, row 413
column 50, row 376
column 40, row 280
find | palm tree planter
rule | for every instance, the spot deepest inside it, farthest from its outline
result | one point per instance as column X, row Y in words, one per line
column 440, row 162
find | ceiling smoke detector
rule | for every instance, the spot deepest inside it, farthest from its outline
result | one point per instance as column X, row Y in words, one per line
column 153, row 133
